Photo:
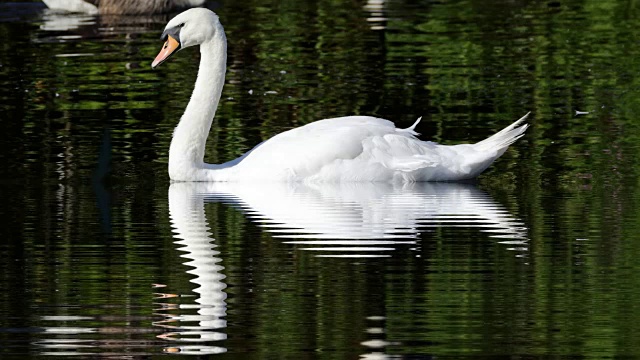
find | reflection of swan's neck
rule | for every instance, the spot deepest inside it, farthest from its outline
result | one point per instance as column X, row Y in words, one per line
column 186, row 210
column 186, row 154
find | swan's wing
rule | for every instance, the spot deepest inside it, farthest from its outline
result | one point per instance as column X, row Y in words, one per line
column 349, row 148
column 305, row 149
column 400, row 152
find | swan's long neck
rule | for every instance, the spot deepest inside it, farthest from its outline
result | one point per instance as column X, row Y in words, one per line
column 186, row 154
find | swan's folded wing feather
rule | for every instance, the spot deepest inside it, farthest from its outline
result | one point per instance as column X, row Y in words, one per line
column 305, row 151
column 399, row 152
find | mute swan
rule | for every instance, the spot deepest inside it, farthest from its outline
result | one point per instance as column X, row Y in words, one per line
column 345, row 149
column 122, row 7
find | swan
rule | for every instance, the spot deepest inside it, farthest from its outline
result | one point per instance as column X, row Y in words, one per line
column 344, row 149
column 122, row 7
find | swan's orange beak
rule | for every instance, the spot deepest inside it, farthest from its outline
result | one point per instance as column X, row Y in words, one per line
column 170, row 47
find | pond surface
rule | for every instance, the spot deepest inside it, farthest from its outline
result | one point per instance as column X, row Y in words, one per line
column 101, row 256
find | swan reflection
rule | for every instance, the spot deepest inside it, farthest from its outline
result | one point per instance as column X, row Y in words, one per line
column 56, row 21
column 341, row 220
column 66, row 26
column 362, row 220
column 377, row 19
column 186, row 212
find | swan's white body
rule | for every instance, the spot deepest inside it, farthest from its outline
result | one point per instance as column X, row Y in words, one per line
column 75, row 6
column 121, row 7
column 346, row 149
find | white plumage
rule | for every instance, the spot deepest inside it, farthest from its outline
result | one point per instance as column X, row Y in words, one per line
column 121, row 7
column 346, row 149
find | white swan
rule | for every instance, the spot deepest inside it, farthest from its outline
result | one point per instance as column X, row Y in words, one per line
column 346, row 149
column 121, row 7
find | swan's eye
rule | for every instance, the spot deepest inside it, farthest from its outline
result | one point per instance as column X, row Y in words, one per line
column 181, row 25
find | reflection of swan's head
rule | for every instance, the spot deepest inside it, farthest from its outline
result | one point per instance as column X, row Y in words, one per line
column 192, row 27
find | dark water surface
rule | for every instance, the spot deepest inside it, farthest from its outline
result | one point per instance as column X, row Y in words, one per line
column 100, row 256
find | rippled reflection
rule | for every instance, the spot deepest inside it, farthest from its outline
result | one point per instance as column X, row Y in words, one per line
column 55, row 21
column 376, row 18
column 187, row 323
column 186, row 210
column 92, row 26
column 363, row 220
column 66, row 341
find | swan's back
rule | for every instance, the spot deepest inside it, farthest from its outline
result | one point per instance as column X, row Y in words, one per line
column 357, row 149
column 304, row 151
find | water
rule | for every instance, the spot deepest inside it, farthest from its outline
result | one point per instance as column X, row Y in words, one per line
column 102, row 257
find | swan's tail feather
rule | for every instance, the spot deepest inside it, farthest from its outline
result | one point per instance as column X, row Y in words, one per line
column 505, row 137
column 411, row 129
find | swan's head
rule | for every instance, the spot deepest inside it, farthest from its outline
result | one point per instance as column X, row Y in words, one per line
column 192, row 27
